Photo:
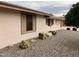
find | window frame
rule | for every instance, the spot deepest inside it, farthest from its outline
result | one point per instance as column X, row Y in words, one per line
column 24, row 23
column 49, row 22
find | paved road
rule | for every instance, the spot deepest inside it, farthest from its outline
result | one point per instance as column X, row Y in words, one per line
column 64, row 43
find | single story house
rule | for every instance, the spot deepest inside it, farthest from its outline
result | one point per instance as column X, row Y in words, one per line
column 57, row 21
column 19, row 23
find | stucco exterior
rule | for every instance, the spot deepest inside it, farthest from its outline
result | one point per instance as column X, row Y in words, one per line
column 42, row 27
column 10, row 31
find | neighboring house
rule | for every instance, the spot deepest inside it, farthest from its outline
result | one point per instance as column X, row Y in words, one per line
column 19, row 23
column 56, row 23
column 59, row 21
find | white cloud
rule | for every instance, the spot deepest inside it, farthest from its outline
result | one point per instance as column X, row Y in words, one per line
column 62, row 6
column 64, row 12
column 44, row 3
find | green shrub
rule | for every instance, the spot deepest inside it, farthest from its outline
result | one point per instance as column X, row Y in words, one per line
column 24, row 44
column 53, row 32
column 42, row 36
column 46, row 35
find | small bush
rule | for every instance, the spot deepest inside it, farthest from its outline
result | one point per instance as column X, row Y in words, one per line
column 53, row 32
column 68, row 28
column 24, row 44
column 43, row 36
column 74, row 29
column 46, row 35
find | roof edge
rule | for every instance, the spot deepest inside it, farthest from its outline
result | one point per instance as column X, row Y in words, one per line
column 17, row 6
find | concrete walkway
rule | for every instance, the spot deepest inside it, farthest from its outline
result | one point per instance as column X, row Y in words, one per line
column 64, row 43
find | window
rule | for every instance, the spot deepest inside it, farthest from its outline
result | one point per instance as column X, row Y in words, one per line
column 49, row 22
column 52, row 21
column 29, row 22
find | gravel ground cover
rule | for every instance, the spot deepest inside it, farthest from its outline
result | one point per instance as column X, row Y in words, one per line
column 63, row 44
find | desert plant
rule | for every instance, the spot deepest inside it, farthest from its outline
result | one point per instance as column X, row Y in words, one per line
column 53, row 32
column 68, row 28
column 42, row 36
column 46, row 35
column 74, row 29
column 24, row 44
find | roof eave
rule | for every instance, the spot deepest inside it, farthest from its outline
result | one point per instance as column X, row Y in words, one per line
column 19, row 8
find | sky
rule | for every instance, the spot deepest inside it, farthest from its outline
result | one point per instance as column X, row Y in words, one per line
column 57, row 8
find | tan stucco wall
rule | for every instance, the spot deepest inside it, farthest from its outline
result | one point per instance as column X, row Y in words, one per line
column 41, row 24
column 10, row 27
column 10, row 32
column 58, row 24
column 41, row 27
column 39, row 21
